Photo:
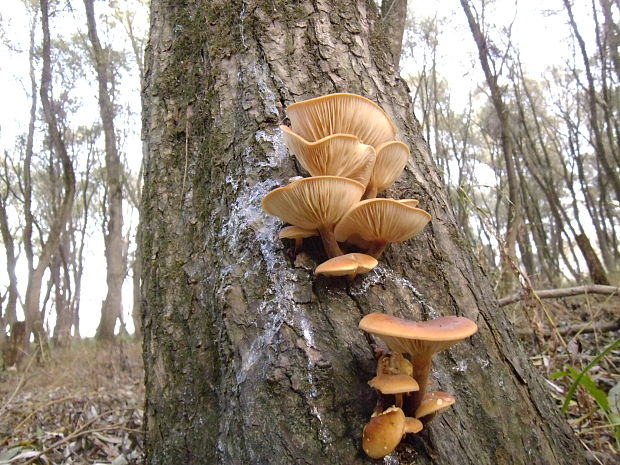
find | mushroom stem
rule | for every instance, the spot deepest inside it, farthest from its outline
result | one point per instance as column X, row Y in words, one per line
column 371, row 193
column 376, row 249
column 421, row 373
column 332, row 249
column 298, row 243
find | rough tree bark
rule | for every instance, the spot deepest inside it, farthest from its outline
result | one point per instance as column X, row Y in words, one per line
column 114, row 244
column 250, row 359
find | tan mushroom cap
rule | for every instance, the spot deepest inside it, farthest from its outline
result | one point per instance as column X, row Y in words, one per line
column 413, row 425
column 336, row 155
column 391, row 160
column 384, row 220
column 295, row 232
column 410, row 202
column 424, row 337
column 383, row 433
column 341, row 113
column 394, row 384
column 433, row 403
column 350, row 264
column 314, row 202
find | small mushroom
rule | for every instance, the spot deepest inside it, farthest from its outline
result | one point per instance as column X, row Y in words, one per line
column 341, row 113
column 336, row 155
column 419, row 339
column 372, row 224
column 383, row 433
column 298, row 234
column 413, row 425
column 349, row 265
column 315, row 203
column 394, row 384
column 391, row 160
column 432, row 404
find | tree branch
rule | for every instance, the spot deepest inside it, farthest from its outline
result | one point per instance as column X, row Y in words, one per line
column 565, row 292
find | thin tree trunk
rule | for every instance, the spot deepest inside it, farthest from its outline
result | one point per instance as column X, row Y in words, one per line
column 114, row 243
column 514, row 206
column 251, row 359
column 394, row 18
column 597, row 272
column 34, row 322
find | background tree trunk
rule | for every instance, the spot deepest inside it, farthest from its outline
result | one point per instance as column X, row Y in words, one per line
column 114, row 244
column 251, row 358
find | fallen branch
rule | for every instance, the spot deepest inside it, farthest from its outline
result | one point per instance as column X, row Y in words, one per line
column 580, row 329
column 565, row 292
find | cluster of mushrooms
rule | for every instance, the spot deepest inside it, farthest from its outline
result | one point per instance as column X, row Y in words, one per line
column 346, row 143
column 402, row 383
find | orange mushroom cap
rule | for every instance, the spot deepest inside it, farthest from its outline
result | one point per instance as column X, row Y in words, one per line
column 391, row 159
column 413, row 337
column 336, row 155
column 341, row 113
column 314, row 202
column 384, row 220
column 394, row 384
column 383, row 433
column 433, row 403
column 350, row 264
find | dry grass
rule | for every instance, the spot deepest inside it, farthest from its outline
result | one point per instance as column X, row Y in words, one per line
column 83, row 405
column 553, row 354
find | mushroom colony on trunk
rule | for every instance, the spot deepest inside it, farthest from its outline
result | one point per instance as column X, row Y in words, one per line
column 402, row 382
column 346, row 143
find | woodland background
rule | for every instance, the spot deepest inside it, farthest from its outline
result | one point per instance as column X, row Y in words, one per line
column 521, row 108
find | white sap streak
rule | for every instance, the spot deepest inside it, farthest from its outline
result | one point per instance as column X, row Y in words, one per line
column 382, row 275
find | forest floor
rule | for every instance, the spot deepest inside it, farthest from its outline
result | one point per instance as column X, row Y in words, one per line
column 82, row 406
column 85, row 404
column 581, row 353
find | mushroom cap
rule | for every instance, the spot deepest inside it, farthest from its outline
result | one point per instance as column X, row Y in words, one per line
column 413, row 425
column 341, row 113
column 434, row 402
column 392, row 157
column 314, row 202
column 350, row 264
column 418, row 338
column 384, row 220
column 383, row 433
column 410, row 202
column 336, row 155
column 295, row 232
column 394, row 384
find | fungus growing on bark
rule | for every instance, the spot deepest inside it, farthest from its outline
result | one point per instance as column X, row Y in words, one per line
column 410, row 202
column 372, row 224
column 394, row 384
column 419, row 339
column 341, row 113
column 336, row 155
column 315, row 203
column 350, row 265
column 385, row 430
column 391, row 160
column 383, row 433
column 298, row 234
column 432, row 404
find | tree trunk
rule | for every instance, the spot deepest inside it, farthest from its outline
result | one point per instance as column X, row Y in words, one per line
column 112, row 307
column 595, row 267
column 34, row 322
column 251, row 359
column 394, row 18
column 515, row 214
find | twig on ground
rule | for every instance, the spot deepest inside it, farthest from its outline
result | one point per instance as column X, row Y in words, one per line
column 562, row 292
